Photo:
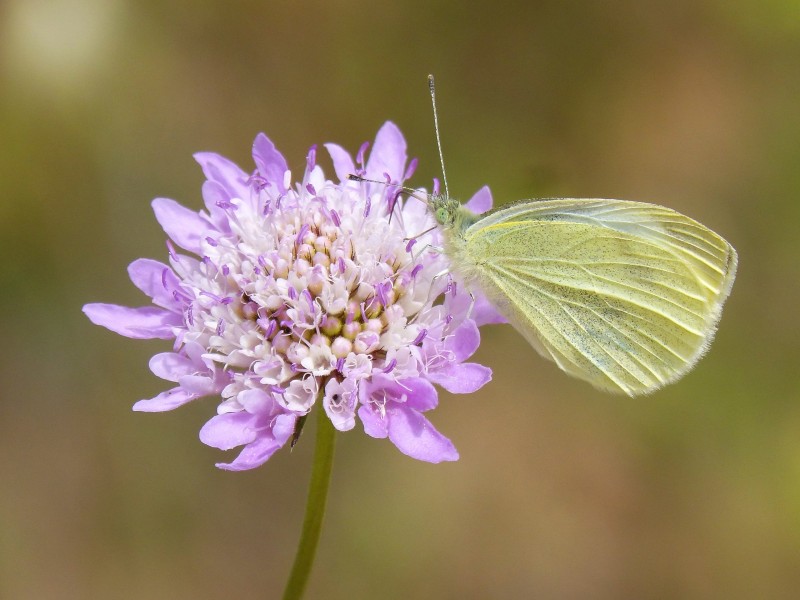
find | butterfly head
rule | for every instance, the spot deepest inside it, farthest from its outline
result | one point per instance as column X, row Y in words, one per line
column 444, row 209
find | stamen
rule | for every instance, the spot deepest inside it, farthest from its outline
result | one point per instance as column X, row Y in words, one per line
column 380, row 291
column 271, row 329
column 309, row 298
column 311, row 159
column 392, row 364
column 301, row 234
column 311, row 190
column 258, row 181
column 393, row 203
column 211, row 241
column 412, row 167
column 171, row 249
column 361, row 152
column 335, row 217
column 420, row 336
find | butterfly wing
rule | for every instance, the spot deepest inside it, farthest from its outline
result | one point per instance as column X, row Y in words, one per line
column 625, row 295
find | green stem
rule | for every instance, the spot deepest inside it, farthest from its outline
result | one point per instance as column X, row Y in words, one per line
column 315, row 508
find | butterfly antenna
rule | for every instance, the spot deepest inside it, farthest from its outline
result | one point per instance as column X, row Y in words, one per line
column 406, row 189
column 436, row 128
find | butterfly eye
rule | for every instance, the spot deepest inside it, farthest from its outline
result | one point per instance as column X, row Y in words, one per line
column 441, row 215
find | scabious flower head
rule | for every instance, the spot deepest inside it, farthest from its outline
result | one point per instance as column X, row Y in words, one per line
column 307, row 295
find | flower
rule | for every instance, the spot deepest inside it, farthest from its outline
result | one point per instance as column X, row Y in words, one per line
column 293, row 295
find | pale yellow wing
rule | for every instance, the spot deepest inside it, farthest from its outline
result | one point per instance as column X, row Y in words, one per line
column 625, row 295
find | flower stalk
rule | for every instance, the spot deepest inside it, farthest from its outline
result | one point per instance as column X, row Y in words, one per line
column 315, row 508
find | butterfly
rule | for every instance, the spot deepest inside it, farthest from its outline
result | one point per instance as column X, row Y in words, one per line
column 625, row 295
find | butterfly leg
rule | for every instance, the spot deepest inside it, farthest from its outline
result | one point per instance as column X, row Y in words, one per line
column 431, row 296
column 443, row 273
column 471, row 304
column 437, row 249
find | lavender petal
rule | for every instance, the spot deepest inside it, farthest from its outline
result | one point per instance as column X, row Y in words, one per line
column 388, row 154
column 168, row 400
column 271, row 164
column 462, row 378
column 155, row 279
column 343, row 164
column 416, row 437
column 481, row 201
column 185, row 227
column 144, row 323
column 225, row 172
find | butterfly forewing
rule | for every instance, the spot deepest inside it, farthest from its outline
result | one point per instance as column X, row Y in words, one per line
column 625, row 295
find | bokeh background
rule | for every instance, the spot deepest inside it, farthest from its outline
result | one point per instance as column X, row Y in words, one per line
column 561, row 491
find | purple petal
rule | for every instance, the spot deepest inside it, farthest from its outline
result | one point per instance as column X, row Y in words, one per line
column 224, row 172
column 484, row 312
column 462, row 378
column 230, row 430
column 165, row 401
column 139, row 323
column 199, row 385
column 256, row 401
column 156, row 280
column 184, row 227
column 420, row 394
column 481, row 201
column 215, row 196
column 374, row 425
column 415, row 436
column 388, row 154
column 271, row 164
column 253, row 455
column 464, row 341
column 342, row 161
column 171, row 366
column 283, row 427
column 260, row 450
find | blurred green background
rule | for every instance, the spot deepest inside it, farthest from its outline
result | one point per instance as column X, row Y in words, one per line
column 561, row 491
